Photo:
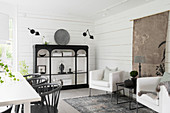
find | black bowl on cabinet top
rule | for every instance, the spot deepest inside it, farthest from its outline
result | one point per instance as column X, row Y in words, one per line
column 43, row 55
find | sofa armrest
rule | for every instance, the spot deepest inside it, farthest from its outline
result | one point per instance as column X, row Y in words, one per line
column 147, row 83
column 164, row 99
column 96, row 74
column 115, row 77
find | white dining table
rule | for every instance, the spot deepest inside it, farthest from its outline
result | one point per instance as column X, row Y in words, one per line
column 17, row 92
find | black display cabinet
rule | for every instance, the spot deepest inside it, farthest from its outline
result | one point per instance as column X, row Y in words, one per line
column 48, row 58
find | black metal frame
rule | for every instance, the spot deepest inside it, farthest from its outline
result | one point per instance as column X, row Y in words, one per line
column 50, row 48
column 130, row 94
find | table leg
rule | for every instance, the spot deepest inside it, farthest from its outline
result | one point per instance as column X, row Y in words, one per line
column 136, row 107
column 89, row 92
column 130, row 99
column 117, row 93
column 27, row 107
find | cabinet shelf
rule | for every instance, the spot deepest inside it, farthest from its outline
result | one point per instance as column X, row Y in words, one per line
column 59, row 56
column 66, row 73
column 78, row 52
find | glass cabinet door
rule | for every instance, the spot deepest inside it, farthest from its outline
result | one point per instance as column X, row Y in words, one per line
column 81, row 67
column 63, row 66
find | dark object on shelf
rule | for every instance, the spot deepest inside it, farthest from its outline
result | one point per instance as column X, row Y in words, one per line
column 133, row 74
column 75, row 49
column 85, row 34
column 61, row 68
column 70, row 71
column 128, row 83
column 41, row 69
column 32, row 31
column 62, row 37
column 42, row 55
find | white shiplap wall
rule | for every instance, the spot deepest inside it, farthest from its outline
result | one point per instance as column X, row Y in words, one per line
column 47, row 25
column 114, row 36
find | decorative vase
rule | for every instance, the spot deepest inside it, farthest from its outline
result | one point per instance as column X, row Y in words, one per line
column 134, row 80
column 61, row 68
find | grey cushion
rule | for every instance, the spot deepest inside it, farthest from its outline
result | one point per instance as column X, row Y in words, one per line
column 107, row 71
column 166, row 77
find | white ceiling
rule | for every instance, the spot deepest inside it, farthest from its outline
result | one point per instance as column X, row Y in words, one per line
column 78, row 8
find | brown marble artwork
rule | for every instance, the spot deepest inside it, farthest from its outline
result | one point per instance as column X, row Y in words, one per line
column 148, row 33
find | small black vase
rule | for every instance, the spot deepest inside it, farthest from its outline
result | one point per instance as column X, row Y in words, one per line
column 134, row 80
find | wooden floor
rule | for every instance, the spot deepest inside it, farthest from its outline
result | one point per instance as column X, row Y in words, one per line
column 63, row 107
column 66, row 108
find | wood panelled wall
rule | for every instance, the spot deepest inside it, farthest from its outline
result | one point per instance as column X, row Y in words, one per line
column 114, row 36
column 47, row 25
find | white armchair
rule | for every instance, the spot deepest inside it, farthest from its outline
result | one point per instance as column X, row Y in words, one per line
column 96, row 82
column 160, row 104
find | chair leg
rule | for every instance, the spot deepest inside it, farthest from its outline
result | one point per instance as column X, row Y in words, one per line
column 111, row 96
column 17, row 108
column 136, row 107
column 124, row 92
column 89, row 92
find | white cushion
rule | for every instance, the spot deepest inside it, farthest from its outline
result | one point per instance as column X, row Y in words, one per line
column 100, row 83
column 107, row 71
column 150, row 98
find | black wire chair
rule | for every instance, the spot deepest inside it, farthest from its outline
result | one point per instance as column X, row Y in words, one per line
column 8, row 109
column 37, row 81
column 49, row 93
column 33, row 81
column 32, row 75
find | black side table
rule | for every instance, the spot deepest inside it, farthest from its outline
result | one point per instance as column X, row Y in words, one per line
column 130, row 97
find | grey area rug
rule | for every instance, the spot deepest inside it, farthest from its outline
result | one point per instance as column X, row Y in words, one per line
column 103, row 104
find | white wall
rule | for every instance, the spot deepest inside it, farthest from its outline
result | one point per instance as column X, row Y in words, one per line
column 114, row 36
column 47, row 25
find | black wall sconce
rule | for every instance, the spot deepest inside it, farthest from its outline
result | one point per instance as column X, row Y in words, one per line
column 32, row 31
column 85, row 34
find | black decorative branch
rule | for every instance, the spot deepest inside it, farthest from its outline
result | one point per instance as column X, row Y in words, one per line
column 161, row 68
column 161, row 44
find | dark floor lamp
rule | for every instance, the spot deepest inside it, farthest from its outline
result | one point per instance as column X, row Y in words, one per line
column 139, row 59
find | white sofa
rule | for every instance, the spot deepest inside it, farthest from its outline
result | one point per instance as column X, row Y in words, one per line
column 160, row 104
column 96, row 82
